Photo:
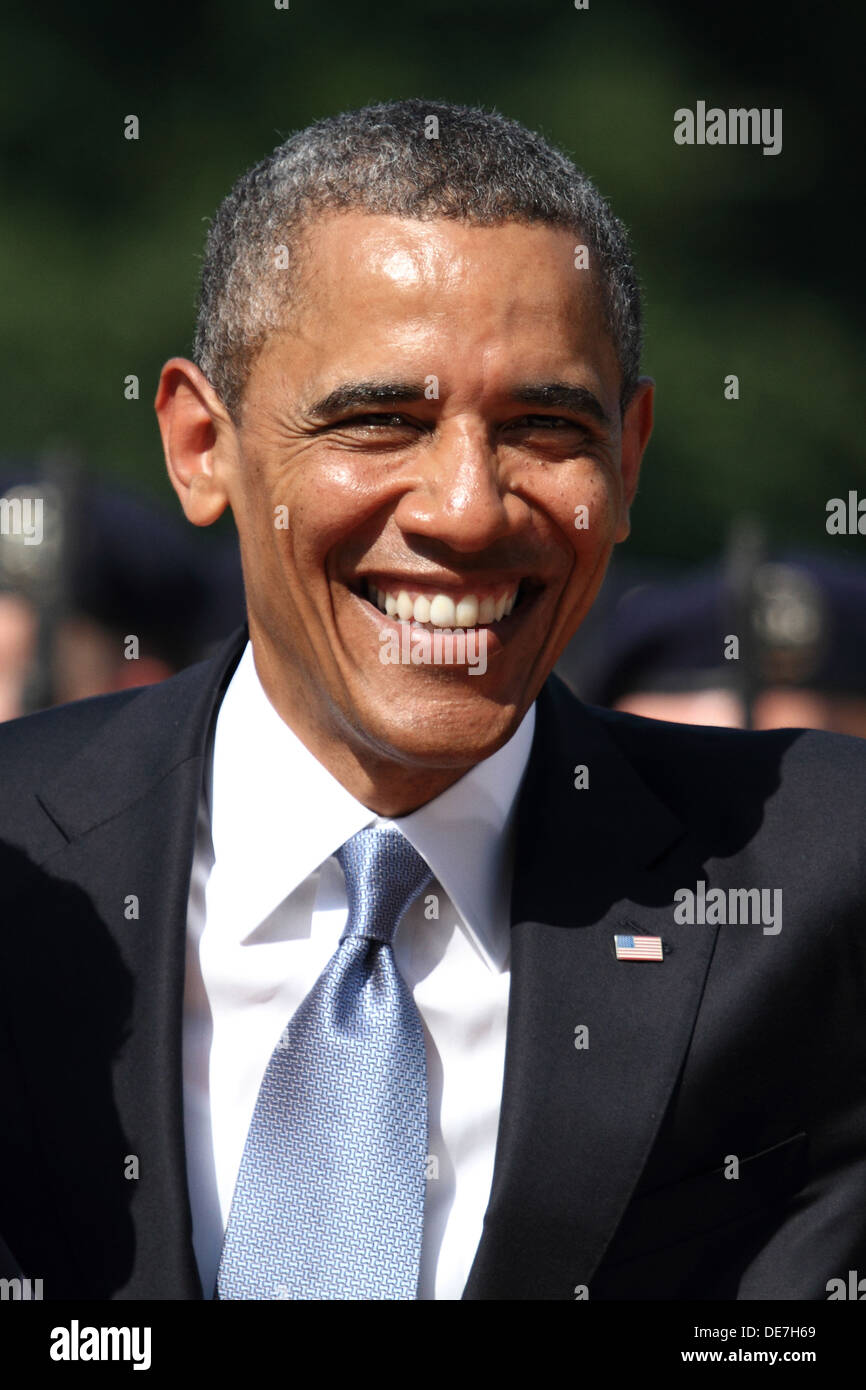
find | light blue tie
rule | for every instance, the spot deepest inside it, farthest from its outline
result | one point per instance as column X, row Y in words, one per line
column 329, row 1200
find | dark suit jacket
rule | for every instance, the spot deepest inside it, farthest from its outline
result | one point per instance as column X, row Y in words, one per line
column 613, row 1162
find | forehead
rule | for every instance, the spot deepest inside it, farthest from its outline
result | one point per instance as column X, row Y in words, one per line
column 372, row 287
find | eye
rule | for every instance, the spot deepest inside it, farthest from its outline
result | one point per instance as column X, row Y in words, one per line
column 381, row 420
column 547, row 422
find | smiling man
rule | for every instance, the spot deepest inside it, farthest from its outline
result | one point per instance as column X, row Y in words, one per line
column 380, row 989
column 463, row 503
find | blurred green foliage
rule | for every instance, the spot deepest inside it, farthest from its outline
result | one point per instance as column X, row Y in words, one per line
column 751, row 264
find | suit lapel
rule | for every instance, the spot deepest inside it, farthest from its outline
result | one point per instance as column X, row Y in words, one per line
column 577, row 1123
column 123, row 817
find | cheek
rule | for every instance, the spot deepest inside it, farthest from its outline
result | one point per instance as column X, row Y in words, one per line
column 327, row 501
column 287, row 529
column 585, row 509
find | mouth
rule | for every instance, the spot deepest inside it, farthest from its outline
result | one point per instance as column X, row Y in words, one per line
column 432, row 606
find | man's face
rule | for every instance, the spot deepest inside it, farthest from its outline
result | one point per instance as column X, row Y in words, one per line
column 432, row 421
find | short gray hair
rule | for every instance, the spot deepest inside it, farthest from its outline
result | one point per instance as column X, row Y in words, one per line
column 481, row 168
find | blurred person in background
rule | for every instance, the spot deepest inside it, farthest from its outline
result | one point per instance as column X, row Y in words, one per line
column 799, row 660
column 19, row 626
column 110, row 567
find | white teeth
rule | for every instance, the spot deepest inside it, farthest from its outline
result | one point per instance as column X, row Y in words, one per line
column 422, row 609
column 467, row 611
column 442, row 610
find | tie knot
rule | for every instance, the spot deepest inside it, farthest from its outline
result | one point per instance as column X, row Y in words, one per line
column 384, row 874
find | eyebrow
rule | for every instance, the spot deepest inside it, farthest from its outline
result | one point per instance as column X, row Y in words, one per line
column 578, row 399
column 361, row 395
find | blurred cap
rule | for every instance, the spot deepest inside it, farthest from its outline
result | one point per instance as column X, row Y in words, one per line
column 125, row 562
column 806, row 627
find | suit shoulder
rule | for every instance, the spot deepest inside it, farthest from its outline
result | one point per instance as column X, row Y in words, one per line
column 712, row 773
column 635, row 732
column 784, row 762
column 37, row 744
column 48, row 735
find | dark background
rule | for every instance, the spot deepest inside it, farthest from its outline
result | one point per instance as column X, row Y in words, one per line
column 751, row 264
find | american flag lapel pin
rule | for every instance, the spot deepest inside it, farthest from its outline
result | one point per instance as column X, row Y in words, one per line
column 638, row 947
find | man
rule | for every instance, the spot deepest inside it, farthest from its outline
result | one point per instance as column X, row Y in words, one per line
column 417, row 388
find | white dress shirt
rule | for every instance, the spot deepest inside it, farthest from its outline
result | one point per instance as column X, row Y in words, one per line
column 267, row 906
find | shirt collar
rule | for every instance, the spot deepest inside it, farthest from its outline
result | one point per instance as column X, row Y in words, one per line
column 277, row 813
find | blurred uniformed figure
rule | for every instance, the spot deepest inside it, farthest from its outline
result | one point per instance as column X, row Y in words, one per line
column 109, row 566
column 798, row 658
column 19, row 625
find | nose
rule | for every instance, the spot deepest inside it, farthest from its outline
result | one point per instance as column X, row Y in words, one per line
column 460, row 498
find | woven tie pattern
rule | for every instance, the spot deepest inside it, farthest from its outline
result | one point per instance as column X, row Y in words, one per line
column 329, row 1199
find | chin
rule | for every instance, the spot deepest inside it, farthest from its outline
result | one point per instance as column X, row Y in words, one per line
column 454, row 733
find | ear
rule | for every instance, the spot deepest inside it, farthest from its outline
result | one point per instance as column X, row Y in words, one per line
column 198, row 439
column 636, row 429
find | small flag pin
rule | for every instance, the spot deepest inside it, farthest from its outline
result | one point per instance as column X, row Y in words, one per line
column 638, row 947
